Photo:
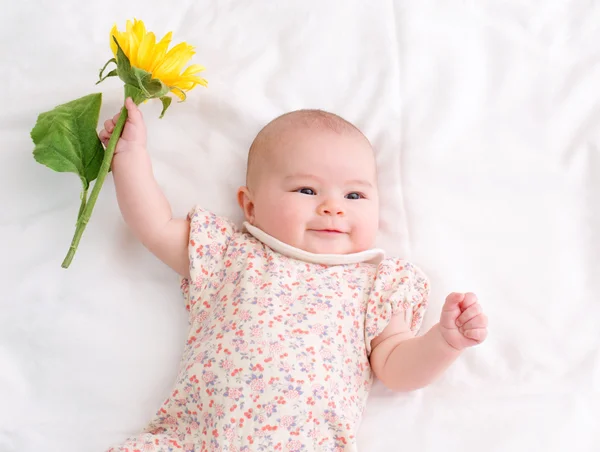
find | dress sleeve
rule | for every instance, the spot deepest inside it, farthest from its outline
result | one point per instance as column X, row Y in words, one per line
column 209, row 238
column 400, row 289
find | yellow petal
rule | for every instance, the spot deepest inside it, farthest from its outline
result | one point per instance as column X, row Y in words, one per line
column 159, row 51
column 113, row 46
column 174, row 61
column 200, row 81
column 177, row 56
column 130, row 42
column 178, row 94
column 144, row 56
column 186, row 82
column 123, row 42
column 189, row 82
column 184, row 85
column 193, row 69
column 188, row 78
column 139, row 29
column 195, row 81
column 128, row 31
column 133, row 47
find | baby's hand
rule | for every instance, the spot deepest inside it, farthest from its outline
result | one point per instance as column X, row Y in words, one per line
column 463, row 323
column 134, row 132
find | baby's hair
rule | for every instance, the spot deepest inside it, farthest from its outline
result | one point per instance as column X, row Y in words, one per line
column 309, row 118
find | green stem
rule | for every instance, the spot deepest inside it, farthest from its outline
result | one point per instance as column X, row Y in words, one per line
column 84, row 216
column 83, row 202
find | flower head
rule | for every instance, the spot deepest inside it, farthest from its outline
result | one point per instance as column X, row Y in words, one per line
column 155, row 58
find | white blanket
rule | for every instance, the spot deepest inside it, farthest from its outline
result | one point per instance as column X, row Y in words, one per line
column 486, row 121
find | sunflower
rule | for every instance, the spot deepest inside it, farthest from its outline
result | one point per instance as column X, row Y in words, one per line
column 154, row 57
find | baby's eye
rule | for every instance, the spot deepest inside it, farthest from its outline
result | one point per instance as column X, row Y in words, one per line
column 306, row 191
column 354, row 195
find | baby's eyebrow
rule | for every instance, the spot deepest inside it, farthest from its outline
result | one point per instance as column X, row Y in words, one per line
column 362, row 182
column 302, row 176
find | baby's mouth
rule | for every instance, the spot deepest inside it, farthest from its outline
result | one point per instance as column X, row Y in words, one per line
column 327, row 231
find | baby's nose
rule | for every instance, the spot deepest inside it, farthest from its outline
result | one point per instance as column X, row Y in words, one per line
column 330, row 208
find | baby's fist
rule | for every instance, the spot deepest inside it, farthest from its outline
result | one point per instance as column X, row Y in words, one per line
column 134, row 132
column 463, row 323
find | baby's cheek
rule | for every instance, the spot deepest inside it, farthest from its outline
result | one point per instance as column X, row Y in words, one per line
column 366, row 229
column 281, row 219
column 289, row 217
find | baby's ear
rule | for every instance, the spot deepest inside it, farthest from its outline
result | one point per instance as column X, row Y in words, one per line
column 245, row 201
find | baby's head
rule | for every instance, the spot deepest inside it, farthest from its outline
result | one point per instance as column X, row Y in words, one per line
column 312, row 183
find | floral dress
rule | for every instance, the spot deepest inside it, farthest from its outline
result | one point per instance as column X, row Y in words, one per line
column 277, row 356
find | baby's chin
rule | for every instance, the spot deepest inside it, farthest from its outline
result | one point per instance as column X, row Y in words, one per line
column 329, row 247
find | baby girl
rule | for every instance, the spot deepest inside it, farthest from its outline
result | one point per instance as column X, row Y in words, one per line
column 292, row 315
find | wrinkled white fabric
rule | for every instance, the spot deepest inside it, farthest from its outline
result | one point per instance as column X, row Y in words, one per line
column 485, row 118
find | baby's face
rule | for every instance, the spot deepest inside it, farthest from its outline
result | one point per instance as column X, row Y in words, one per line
column 317, row 190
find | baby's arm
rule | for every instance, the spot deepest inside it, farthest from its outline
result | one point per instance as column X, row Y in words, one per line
column 143, row 205
column 406, row 364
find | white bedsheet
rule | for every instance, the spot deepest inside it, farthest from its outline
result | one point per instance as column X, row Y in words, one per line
column 486, row 121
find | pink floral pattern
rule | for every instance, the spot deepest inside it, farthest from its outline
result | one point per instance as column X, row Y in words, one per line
column 277, row 357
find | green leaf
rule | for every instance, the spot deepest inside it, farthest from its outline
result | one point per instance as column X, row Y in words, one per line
column 135, row 93
column 110, row 74
column 166, row 101
column 65, row 138
column 153, row 87
column 139, row 77
column 124, row 66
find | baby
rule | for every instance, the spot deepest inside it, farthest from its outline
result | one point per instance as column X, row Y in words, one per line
column 292, row 315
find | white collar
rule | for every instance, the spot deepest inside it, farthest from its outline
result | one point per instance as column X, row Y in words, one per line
column 372, row 256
